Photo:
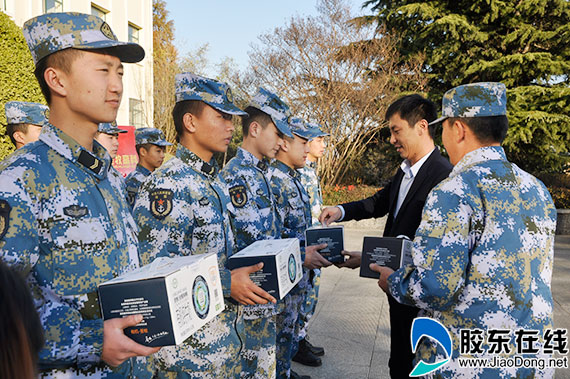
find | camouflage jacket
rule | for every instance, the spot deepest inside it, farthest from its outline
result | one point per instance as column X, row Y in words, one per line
column 482, row 256
column 133, row 182
column 293, row 207
column 65, row 225
column 253, row 213
column 182, row 209
column 312, row 184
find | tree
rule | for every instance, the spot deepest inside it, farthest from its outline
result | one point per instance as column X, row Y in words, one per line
column 331, row 72
column 165, row 62
column 17, row 80
column 522, row 43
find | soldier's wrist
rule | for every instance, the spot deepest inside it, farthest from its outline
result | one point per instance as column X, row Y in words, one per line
column 90, row 342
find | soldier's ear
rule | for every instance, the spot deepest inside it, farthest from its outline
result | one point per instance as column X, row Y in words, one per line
column 19, row 137
column 254, row 129
column 56, row 80
column 189, row 122
column 285, row 145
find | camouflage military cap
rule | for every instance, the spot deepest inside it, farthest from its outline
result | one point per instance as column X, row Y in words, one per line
column 273, row 106
column 22, row 112
column 110, row 128
column 474, row 100
column 299, row 128
column 216, row 94
column 53, row 32
column 317, row 130
column 150, row 135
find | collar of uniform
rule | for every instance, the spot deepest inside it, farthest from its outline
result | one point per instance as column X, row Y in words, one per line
column 310, row 164
column 246, row 158
column 96, row 162
column 143, row 170
column 286, row 169
column 207, row 168
column 483, row 154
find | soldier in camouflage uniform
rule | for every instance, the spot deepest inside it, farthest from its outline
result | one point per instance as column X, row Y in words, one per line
column 108, row 136
column 293, row 208
column 483, row 253
column 254, row 217
column 64, row 223
column 182, row 209
column 24, row 121
column 151, row 147
column 311, row 181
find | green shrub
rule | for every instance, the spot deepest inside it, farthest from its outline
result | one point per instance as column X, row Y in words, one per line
column 17, row 80
column 561, row 197
column 333, row 195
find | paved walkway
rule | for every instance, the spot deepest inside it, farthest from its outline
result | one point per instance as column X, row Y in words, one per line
column 352, row 323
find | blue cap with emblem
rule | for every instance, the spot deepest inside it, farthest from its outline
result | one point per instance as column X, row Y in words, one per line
column 22, row 112
column 216, row 94
column 150, row 135
column 299, row 128
column 52, row 32
column 474, row 100
column 273, row 106
column 110, row 128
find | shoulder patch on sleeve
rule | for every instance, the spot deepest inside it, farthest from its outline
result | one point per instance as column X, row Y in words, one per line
column 5, row 209
column 160, row 203
column 238, row 195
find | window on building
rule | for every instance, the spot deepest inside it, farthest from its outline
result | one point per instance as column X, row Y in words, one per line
column 3, row 5
column 99, row 12
column 134, row 33
column 136, row 113
column 53, row 6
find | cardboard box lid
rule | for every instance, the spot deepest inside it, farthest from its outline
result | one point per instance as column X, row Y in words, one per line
column 267, row 247
column 159, row 268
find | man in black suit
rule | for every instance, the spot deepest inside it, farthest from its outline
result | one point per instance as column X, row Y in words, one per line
column 402, row 199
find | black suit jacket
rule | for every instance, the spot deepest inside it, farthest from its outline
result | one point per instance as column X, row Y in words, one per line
column 434, row 170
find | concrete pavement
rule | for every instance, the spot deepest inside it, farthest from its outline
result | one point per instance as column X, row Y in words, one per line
column 352, row 323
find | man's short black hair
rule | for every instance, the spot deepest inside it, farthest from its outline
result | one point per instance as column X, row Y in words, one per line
column 145, row 146
column 413, row 108
column 180, row 109
column 254, row 114
column 488, row 129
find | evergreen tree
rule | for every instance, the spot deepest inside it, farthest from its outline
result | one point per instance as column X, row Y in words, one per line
column 523, row 43
column 17, row 80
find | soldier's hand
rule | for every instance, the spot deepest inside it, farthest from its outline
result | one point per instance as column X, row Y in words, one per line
column 246, row 292
column 385, row 272
column 313, row 259
column 330, row 215
column 117, row 347
column 353, row 260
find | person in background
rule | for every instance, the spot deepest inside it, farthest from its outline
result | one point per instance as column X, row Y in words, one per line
column 312, row 183
column 483, row 253
column 108, row 136
column 24, row 121
column 151, row 148
column 21, row 332
column 402, row 200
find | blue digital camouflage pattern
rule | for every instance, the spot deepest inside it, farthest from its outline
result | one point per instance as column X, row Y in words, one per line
column 269, row 103
column 23, row 112
column 65, row 226
column 295, row 217
column 299, row 128
column 482, row 257
column 310, row 180
column 133, row 182
column 182, row 209
column 474, row 100
column 317, row 130
column 110, row 128
column 217, row 94
column 53, row 32
column 150, row 135
column 254, row 218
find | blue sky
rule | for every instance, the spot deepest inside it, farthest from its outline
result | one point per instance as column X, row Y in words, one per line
column 229, row 27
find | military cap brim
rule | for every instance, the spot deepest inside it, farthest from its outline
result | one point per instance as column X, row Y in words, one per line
column 227, row 108
column 127, row 52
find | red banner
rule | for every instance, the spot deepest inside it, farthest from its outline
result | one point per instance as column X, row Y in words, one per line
column 127, row 158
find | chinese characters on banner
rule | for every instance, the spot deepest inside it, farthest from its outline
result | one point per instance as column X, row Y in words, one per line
column 126, row 159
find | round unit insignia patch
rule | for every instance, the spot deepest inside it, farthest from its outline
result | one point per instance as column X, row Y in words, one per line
column 238, row 195
column 160, row 203
column 107, row 32
column 229, row 95
column 292, row 268
column 201, row 297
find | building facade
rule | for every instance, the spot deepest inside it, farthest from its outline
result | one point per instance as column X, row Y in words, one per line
column 131, row 20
